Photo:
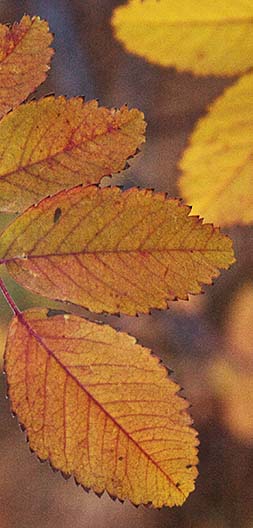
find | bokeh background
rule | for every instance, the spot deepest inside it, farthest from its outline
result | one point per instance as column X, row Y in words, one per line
column 207, row 341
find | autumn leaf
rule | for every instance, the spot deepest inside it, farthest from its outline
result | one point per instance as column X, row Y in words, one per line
column 57, row 143
column 230, row 373
column 203, row 37
column 238, row 411
column 233, row 387
column 113, row 251
column 239, row 329
column 100, row 407
column 217, row 166
column 24, row 58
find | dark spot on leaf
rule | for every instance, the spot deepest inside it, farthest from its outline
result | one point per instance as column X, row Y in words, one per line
column 110, row 127
column 53, row 312
column 57, row 215
column 200, row 55
column 120, row 457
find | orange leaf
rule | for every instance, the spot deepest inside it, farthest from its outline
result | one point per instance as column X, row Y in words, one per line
column 56, row 143
column 24, row 59
column 100, row 407
column 113, row 251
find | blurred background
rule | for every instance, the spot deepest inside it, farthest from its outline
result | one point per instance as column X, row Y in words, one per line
column 207, row 341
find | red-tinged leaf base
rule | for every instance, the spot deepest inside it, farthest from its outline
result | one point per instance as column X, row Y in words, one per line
column 100, row 407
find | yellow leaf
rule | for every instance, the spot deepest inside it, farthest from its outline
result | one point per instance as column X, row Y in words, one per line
column 217, row 167
column 56, row 143
column 203, row 37
column 113, row 251
column 24, row 59
column 100, row 407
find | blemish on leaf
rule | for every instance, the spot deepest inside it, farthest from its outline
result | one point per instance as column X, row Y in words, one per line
column 52, row 312
column 57, row 215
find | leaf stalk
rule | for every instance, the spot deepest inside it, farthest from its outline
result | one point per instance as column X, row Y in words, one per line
column 9, row 299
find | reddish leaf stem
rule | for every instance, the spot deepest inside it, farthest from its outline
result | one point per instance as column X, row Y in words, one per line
column 9, row 299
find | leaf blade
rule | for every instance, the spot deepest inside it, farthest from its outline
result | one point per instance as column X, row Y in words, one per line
column 84, row 392
column 62, row 143
column 220, row 147
column 113, row 251
column 200, row 37
column 25, row 54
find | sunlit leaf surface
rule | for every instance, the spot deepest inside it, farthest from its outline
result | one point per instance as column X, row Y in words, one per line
column 217, row 166
column 203, row 37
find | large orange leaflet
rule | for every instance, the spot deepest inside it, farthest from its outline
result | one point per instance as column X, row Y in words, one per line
column 24, row 59
column 113, row 251
column 55, row 143
column 100, row 407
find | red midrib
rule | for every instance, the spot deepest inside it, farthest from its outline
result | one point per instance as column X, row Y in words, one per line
column 113, row 252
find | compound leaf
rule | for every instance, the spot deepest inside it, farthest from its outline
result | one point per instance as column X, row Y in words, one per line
column 56, row 143
column 217, row 166
column 203, row 37
column 24, row 58
column 100, row 407
column 113, row 251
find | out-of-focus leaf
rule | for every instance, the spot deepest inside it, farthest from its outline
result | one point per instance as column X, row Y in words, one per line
column 113, row 251
column 239, row 327
column 234, row 388
column 232, row 374
column 203, row 37
column 24, row 58
column 100, row 407
column 217, row 166
column 55, row 143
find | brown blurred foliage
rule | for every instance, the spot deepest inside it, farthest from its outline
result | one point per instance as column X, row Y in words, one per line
column 231, row 373
column 208, row 340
